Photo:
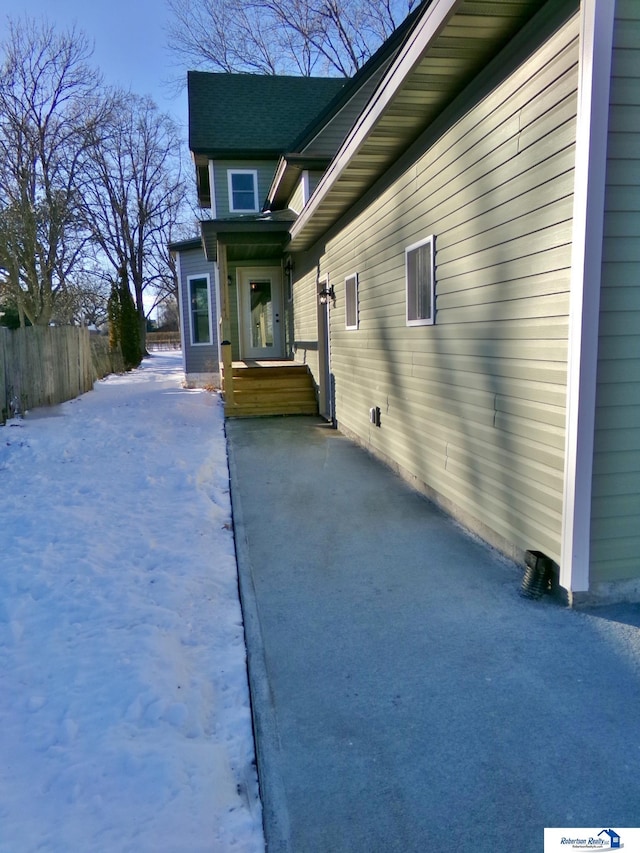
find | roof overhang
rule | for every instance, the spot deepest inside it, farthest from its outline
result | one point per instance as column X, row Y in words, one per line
column 287, row 174
column 450, row 42
column 189, row 245
column 203, row 155
column 245, row 239
column 203, row 183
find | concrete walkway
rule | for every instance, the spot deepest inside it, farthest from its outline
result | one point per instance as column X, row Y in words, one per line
column 406, row 697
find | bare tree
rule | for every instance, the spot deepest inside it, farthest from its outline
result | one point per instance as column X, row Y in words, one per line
column 168, row 316
column 86, row 296
column 282, row 36
column 136, row 196
column 49, row 101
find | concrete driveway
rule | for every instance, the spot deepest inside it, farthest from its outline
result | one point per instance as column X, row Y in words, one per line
column 406, row 697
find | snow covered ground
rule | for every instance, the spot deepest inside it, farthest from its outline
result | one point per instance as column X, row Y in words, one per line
column 124, row 709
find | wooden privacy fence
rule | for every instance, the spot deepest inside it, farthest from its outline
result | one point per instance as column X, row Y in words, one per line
column 46, row 365
column 163, row 340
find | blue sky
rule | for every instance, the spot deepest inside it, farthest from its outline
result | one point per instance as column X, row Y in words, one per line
column 130, row 42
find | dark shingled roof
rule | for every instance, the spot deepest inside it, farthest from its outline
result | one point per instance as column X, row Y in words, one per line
column 253, row 114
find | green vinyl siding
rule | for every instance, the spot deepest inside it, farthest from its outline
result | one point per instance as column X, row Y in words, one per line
column 296, row 202
column 305, row 315
column 473, row 407
column 615, row 533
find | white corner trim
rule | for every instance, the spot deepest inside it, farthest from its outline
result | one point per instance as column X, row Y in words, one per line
column 181, row 315
column 212, row 190
column 596, row 41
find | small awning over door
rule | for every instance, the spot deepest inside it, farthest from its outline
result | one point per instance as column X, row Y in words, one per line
column 247, row 238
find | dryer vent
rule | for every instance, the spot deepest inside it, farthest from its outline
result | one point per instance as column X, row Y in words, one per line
column 537, row 576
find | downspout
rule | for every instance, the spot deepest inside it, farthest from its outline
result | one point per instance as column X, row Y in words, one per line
column 594, row 71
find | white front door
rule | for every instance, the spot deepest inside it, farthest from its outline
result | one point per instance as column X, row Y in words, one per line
column 260, row 303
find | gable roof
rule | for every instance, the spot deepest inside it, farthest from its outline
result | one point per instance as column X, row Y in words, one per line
column 319, row 141
column 255, row 115
column 358, row 86
column 450, row 43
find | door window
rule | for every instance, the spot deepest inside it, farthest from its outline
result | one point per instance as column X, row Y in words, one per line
column 261, row 313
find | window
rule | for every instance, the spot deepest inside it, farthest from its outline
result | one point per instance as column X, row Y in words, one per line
column 420, row 283
column 199, row 302
column 351, row 301
column 243, row 190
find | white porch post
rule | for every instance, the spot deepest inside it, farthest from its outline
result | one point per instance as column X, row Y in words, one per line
column 596, row 40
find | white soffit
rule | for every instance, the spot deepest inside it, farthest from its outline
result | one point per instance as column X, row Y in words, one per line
column 448, row 45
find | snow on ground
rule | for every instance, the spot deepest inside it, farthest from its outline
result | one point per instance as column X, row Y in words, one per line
column 124, row 709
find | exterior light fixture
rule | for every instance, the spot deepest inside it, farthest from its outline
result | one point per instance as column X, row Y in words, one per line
column 326, row 294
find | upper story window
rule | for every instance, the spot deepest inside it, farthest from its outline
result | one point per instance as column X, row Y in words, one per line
column 420, row 274
column 243, row 190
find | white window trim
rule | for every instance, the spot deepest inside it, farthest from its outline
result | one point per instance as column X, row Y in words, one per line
column 230, row 174
column 189, row 280
column 346, row 302
column 427, row 321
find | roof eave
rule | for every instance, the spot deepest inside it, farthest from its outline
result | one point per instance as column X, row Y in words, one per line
column 185, row 245
column 386, row 128
column 235, row 153
column 289, row 169
column 384, row 53
column 435, row 16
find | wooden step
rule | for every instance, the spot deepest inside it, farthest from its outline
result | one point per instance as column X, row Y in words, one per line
column 272, row 390
column 268, row 410
column 279, row 370
column 277, row 382
column 276, row 392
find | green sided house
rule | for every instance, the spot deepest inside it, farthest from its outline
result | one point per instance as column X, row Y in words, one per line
column 450, row 245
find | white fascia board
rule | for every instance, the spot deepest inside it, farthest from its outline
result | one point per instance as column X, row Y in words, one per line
column 596, row 42
column 435, row 17
column 212, row 190
column 281, row 168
